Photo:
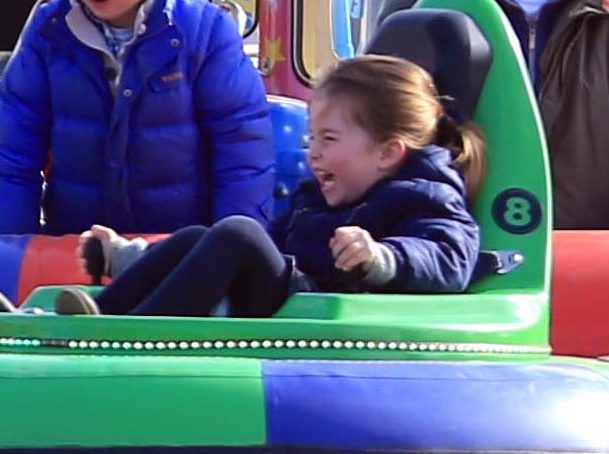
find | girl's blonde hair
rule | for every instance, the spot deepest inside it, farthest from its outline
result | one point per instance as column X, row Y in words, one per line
column 393, row 98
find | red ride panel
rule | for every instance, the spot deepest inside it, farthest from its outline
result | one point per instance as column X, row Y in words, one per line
column 580, row 293
column 51, row 260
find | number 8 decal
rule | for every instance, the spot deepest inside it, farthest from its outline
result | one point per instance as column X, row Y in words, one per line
column 517, row 211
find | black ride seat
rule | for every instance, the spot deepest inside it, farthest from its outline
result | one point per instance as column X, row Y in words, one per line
column 448, row 44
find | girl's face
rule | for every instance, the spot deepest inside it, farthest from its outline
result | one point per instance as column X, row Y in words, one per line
column 343, row 156
column 118, row 13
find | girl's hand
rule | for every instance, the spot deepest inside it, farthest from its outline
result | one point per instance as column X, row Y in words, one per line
column 106, row 236
column 352, row 247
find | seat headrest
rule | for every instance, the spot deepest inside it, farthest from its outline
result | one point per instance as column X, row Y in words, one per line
column 448, row 44
column 391, row 6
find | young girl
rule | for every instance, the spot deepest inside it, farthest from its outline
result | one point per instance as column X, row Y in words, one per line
column 387, row 211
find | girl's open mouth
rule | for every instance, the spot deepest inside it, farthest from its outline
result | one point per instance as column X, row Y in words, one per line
column 326, row 179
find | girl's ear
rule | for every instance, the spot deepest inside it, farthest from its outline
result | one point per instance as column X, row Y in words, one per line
column 393, row 153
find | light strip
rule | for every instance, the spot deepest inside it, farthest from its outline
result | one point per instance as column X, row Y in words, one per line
column 273, row 344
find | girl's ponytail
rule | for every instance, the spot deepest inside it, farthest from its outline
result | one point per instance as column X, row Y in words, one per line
column 467, row 144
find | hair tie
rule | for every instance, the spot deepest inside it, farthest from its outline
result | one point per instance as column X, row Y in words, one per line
column 454, row 116
column 449, row 133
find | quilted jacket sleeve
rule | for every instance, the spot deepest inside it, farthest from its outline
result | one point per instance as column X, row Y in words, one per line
column 234, row 119
column 436, row 248
column 24, row 132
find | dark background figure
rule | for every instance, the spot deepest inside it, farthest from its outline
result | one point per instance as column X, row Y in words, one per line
column 14, row 14
column 566, row 44
column 12, row 19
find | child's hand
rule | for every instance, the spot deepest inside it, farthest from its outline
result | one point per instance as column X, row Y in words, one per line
column 106, row 236
column 352, row 247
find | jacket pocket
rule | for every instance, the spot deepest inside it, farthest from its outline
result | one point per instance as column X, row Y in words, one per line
column 168, row 80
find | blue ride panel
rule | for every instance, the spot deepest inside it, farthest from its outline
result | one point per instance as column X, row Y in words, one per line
column 464, row 406
column 12, row 250
column 290, row 139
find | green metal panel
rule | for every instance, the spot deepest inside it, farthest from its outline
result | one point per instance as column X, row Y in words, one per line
column 493, row 325
column 130, row 401
column 517, row 156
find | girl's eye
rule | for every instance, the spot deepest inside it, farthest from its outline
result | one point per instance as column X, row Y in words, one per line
column 324, row 138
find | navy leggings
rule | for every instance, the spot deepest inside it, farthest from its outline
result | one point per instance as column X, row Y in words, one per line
column 191, row 271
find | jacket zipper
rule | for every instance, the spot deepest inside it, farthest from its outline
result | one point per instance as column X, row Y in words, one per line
column 532, row 23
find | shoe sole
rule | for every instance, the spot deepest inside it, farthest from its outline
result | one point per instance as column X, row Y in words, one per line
column 69, row 302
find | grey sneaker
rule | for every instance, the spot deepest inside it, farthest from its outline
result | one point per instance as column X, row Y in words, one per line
column 6, row 305
column 74, row 301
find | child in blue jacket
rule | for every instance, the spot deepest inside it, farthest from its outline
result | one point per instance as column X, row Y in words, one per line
column 146, row 114
column 387, row 211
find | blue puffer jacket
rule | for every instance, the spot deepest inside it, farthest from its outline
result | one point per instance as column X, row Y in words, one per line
column 187, row 140
column 420, row 214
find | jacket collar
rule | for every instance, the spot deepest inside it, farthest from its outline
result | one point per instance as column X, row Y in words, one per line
column 549, row 8
column 515, row 4
column 90, row 30
column 57, row 28
column 600, row 6
column 577, row 9
column 159, row 22
column 590, row 6
column 572, row 12
column 157, row 14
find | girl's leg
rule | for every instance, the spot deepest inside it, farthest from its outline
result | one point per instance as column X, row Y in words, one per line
column 140, row 279
column 236, row 257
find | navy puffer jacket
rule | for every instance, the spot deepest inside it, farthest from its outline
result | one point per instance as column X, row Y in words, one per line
column 420, row 214
column 186, row 141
